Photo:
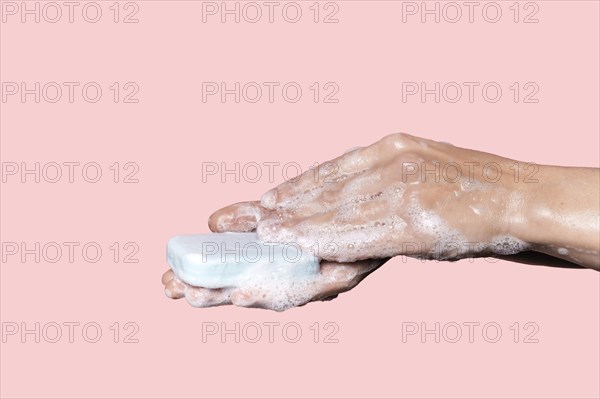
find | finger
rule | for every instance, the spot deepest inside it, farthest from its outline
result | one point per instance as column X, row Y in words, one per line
column 329, row 298
column 337, row 278
column 175, row 288
column 338, row 169
column 167, row 276
column 250, row 298
column 331, row 270
column 277, row 300
column 355, row 191
column 204, row 297
column 356, row 203
column 308, row 184
column 240, row 217
column 346, row 235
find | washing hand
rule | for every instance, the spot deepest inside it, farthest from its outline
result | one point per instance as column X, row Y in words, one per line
column 416, row 197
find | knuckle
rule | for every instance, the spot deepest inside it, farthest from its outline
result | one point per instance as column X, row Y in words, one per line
column 398, row 141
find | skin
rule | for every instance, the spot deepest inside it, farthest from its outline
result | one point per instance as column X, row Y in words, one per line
column 406, row 195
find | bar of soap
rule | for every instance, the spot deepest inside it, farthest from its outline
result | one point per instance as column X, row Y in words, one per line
column 219, row 260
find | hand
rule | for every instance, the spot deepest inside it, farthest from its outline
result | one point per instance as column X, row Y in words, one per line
column 400, row 195
column 333, row 279
column 412, row 196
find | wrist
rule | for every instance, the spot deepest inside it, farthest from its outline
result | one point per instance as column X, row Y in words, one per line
column 524, row 216
column 559, row 213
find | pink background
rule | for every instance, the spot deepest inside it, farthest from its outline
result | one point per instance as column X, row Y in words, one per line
column 170, row 132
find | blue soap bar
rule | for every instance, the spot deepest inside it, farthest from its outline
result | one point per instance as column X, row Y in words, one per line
column 219, row 260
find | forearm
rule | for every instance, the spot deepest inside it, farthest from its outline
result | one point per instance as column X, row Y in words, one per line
column 561, row 214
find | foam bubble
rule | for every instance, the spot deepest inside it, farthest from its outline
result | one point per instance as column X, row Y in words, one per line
column 507, row 245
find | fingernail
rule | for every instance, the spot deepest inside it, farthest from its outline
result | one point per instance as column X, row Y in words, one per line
column 222, row 222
